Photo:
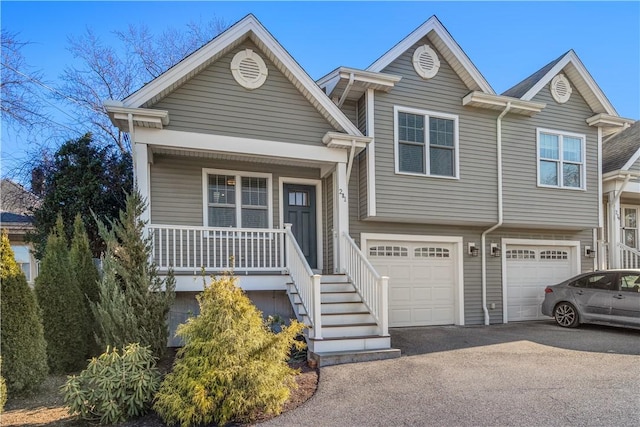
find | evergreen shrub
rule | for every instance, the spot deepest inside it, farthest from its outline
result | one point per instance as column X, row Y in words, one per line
column 231, row 366
column 115, row 386
column 63, row 310
column 24, row 357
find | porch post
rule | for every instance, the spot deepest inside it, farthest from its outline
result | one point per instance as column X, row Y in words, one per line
column 342, row 214
column 614, row 230
column 141, row 177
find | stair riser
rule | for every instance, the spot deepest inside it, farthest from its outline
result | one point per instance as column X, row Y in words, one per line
column 333, row 278
column 349, row 331
column 337, row 287
column 340, row 297
column 351, row 318
column 353, row 344
column 344, row 307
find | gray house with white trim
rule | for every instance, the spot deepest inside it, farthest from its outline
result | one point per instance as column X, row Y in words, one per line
column 405, row 194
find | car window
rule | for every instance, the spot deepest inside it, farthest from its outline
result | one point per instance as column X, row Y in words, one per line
column 630, row 282
column 604, row 281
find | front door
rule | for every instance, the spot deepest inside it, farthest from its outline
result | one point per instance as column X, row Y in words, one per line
column 630, row 227
column 300, row 211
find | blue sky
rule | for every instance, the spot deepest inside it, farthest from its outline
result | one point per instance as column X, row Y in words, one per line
column 507, row 41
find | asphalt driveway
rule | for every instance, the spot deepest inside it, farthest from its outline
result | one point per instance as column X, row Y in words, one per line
column 520, row 374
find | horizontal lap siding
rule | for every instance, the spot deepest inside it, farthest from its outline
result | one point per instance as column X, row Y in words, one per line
column 472, row 198
column 524, row 201
column 176, row 186
column 213, row 102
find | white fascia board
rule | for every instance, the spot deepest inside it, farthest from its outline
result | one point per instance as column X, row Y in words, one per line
column 247, row 25
column 341, row 140
column 631, row 161
column 572, row 58
column 432, row 24
column 190, row 63
column 116, row 112
column 236, row 145
column 381, row 79
column 605, row 120
column 502, row 101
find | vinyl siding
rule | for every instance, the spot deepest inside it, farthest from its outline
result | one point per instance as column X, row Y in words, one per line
column 470, row 199
column 350, row 109
column 472, row 267
column 176, row 186
column 524, row 201
column 213, row 102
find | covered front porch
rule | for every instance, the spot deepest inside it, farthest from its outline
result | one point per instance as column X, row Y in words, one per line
column 621, row 248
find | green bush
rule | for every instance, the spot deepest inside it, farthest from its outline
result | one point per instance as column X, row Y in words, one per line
column 3, row 391
column 134, row 300
column 24, row 357
column 115, row 386
column 87, row 277
column 63, row 311
column 231, row 365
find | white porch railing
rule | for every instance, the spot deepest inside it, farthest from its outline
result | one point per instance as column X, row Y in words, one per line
column 185, row 248
column 629, row 257
column 373, row 288
column 306, row 282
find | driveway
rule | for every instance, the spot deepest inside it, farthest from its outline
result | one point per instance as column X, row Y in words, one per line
column 519, row 374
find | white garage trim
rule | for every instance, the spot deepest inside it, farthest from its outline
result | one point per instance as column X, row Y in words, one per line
column 457, row 256
column 575, row 254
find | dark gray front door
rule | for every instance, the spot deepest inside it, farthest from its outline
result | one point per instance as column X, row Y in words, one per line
column 300, row 211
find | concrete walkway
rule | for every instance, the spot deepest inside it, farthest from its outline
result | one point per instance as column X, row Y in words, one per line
column 526, row 374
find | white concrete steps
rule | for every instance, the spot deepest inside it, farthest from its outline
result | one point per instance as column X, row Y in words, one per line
column 349, row 331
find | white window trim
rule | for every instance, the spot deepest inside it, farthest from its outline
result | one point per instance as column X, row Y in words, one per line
column 622, row 227
column 456, row 155
column 238, row 175
column 456, row 256
column 561, row 135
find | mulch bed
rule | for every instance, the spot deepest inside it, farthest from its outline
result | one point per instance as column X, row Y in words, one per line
column 46, row 408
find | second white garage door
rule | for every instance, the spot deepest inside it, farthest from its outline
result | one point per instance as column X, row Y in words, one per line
column 422, row 280
column 530, row 269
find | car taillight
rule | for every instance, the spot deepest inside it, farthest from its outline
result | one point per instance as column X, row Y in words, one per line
column 548, row 290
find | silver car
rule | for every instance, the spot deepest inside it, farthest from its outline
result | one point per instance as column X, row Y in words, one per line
column 609, row 297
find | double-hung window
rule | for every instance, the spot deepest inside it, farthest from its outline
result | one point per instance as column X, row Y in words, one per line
column 236, row 199
column 426, row 143
column 561, row 160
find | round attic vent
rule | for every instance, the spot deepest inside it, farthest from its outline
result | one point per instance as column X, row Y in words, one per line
column 426, row 62
column 560, row 89
column 248, row 69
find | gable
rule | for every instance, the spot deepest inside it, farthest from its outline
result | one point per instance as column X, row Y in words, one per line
column 213, row 102
column 448, row 48
column 445, row 89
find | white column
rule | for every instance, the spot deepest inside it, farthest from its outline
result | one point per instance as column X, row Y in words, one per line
column 342, row 207
column 141, row 177
column 614, row 230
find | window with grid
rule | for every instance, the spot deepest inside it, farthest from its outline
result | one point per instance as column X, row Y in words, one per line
column 560, row 160
column 426, row 144
column 230, row 206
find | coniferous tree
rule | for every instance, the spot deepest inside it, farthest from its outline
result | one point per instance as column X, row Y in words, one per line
column 24, row 357
column 87, row 277
column 134, row 300
column 63, row 311
column 231, row 365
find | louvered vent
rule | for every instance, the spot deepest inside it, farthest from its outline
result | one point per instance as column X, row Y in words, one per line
column 560, row 89
column 426, row 62
column 248, row 69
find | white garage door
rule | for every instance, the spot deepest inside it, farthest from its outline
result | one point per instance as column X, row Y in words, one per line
column 421, row 281
column 530, row 269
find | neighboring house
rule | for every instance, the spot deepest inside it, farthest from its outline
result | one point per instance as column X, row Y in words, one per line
column 621, row 187
column 414, row 169
column 15, row 217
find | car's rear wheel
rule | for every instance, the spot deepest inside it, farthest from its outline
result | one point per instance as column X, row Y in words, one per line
column 566, row 315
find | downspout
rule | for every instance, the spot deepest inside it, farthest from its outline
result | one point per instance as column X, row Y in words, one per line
column 483, row 238
column 352, row 78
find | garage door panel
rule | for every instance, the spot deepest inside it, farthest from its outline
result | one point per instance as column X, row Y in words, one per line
column 421, row 284
column 529, row 270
